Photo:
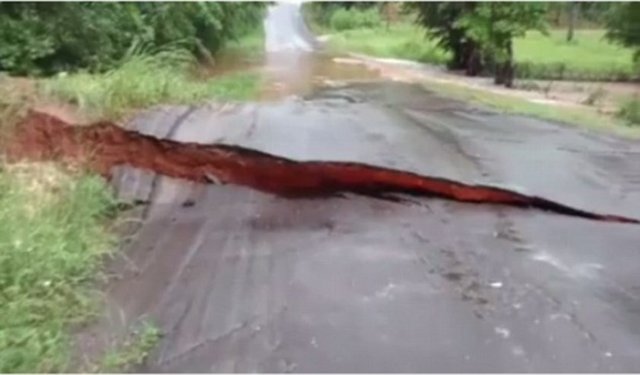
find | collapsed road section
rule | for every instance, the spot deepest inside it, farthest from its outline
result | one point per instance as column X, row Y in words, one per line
column 105, row 145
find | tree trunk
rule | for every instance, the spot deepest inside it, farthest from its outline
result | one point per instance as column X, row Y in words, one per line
column 391, row 13
column 473, row 60
column 467, row 57
column 509, row 68
column 573, row 12
column 504, row 73
column 458, row 49
column 558, row 14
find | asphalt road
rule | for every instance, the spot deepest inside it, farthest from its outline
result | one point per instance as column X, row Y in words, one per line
column 243, row 281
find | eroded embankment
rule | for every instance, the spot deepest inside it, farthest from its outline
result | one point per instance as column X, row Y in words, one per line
column 105, row 145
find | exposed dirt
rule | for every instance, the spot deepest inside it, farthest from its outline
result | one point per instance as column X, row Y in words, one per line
column 105, row 145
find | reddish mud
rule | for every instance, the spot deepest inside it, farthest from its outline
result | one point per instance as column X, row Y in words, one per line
column 104, row 145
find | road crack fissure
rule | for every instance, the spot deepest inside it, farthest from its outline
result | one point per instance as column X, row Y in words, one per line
column 105, row 145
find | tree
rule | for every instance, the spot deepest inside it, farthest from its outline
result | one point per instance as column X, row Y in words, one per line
column 494, row 25
column 623, row 26
column 48, row 37
column 479, row 35
column 573, row 14
column 391, row 12
column 440, row 22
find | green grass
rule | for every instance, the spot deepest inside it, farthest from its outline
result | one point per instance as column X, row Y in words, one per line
column 586, row 117
column 251, row 45
column 133, row 352
column 144, row 80
column 403, row 41
column 588, row 57
column 52, row 241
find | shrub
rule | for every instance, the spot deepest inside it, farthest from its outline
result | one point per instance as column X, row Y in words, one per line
column 144, row 79
column 46, row 38
column 630, row 111
column 348, row 19
column 420, row 51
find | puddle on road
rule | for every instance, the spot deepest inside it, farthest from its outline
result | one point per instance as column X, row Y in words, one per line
column 288, row 73
column 231, row 62
column 291, row 72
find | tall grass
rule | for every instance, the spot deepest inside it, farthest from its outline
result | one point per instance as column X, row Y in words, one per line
column 16, row 97
column 51, row 243
column 145, row 79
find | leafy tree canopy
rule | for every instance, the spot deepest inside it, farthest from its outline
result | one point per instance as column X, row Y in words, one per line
column 44, row 38
column 623, row 25
column 479, row 34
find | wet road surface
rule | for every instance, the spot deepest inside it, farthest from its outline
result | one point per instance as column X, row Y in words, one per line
column 243, row 281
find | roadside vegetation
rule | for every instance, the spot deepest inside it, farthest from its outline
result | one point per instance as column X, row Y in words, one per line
column 144, row 80
column 532, row 47
column 537, row 56
column 401, row 41
column 48, row 38
column 108, row 59
column 133, row 352
column 588, row 57
column 507, row 41
column 630, row 111
column 104, row 60
column 52, row 241
column 250, row 45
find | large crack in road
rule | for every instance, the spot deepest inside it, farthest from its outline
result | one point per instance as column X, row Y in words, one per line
column 254, row 255
column 241, row 277
column 106, row 145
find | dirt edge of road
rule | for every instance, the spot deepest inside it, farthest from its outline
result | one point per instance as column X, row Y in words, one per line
column 517, row 101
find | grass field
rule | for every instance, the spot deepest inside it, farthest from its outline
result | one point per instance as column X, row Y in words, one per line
column 588, row 57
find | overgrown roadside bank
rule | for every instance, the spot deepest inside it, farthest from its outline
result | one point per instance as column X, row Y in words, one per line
column 144, row 80
column 58, row 222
